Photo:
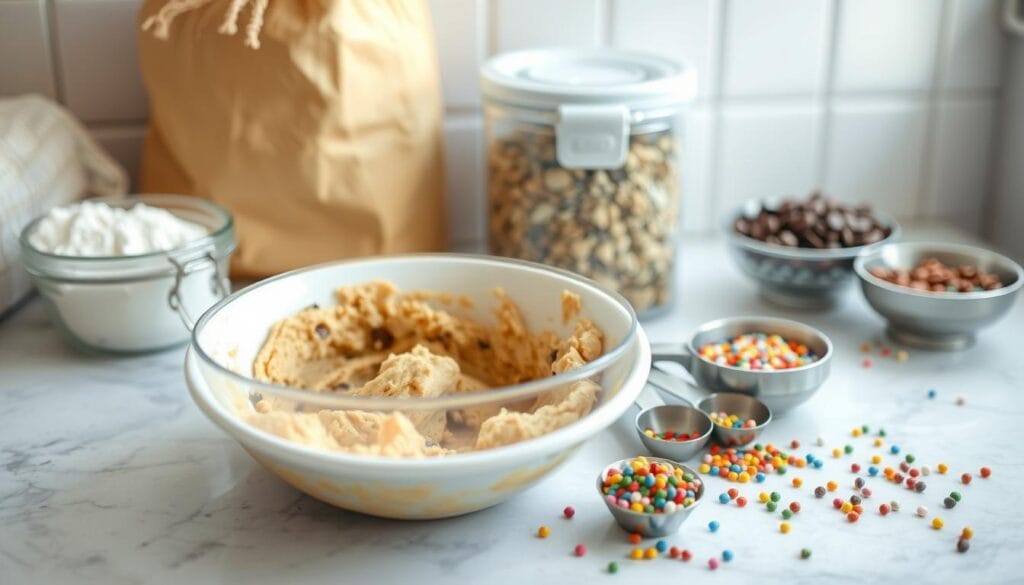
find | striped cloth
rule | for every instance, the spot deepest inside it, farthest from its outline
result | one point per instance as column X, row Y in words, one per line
column 46, row 159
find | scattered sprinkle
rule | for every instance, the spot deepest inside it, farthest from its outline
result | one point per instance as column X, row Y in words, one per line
column 805, row 553
column 569, row 512
column 543, row 532
column 580, row 550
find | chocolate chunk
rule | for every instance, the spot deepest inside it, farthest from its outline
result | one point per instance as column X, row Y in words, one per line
column 814, row 240
column 817, row 222
column 483, row 344
column 322, row 331
column 835, row 221
column 381, row 338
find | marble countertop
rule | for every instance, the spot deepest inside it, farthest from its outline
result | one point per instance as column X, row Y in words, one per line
column 111, row 475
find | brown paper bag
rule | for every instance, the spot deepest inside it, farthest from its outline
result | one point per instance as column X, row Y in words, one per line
column 326, row 142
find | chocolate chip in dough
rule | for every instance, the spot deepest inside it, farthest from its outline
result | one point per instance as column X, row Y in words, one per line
column 381, row 338
column 322, row 331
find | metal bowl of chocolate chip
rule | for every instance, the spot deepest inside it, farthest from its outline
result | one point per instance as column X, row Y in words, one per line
column 937, row 295
column 800, row 252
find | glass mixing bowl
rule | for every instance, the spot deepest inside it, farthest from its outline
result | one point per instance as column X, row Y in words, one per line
column 365, row 477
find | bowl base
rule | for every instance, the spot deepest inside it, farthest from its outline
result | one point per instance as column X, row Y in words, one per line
column 935, row 341
column 795, row 300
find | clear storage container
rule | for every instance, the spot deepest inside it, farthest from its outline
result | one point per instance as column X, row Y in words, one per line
column 583, row 164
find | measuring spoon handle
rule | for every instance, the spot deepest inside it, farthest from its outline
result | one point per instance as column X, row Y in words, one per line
column 674, row 386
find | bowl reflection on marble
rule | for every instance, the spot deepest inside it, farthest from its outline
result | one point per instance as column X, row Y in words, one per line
column 228, row 337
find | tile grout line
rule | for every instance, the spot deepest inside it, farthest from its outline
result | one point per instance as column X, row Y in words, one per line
column 603, row 23
column 492, row 27
column 50, row 11
column 828, row 94
column 933, row 119
column 713, row 162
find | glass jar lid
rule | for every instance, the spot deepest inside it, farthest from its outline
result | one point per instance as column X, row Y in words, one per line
column 592, row 97
column 549, row 78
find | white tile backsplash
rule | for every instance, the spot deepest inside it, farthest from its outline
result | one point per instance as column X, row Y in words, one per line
column 770, row 51
column 767, row 151
column 464, row 166
column 124, row 143
column 885, row 45
column 461, row 33
column 98, row 45
column 975, row 45
column 960, row 179
column 532, row 24
column 681, row 29
column 695, row 169
column 25, row 62
column 875, row 154
column 794, row 94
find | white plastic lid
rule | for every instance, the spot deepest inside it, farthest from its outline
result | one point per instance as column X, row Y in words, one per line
column 595, row 94
column 548, row 78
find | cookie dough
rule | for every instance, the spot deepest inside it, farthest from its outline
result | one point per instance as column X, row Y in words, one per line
column 380, row 342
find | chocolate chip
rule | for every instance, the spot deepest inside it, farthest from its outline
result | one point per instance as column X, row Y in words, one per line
column 483, row 344
column 381, row 338
column 322, row 331
column 343, row 386
column 932, row 275
column 554, row 355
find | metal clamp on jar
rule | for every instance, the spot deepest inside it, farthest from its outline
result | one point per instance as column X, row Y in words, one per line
column 583, row 164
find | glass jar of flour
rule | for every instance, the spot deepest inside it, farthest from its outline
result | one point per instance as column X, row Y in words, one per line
column 583, row 152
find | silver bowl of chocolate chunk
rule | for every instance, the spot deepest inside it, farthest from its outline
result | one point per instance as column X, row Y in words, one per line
column 937, row 295
column 801, row 252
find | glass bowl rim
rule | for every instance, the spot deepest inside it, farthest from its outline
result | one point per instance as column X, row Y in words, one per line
column 508, row 393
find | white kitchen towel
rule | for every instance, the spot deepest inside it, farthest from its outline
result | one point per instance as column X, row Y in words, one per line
column 46, row 159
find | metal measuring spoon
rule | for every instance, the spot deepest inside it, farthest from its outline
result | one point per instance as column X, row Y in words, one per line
column 742, row 405
column 660, row 417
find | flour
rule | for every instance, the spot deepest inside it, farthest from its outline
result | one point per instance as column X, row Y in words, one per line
column 97, row 229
